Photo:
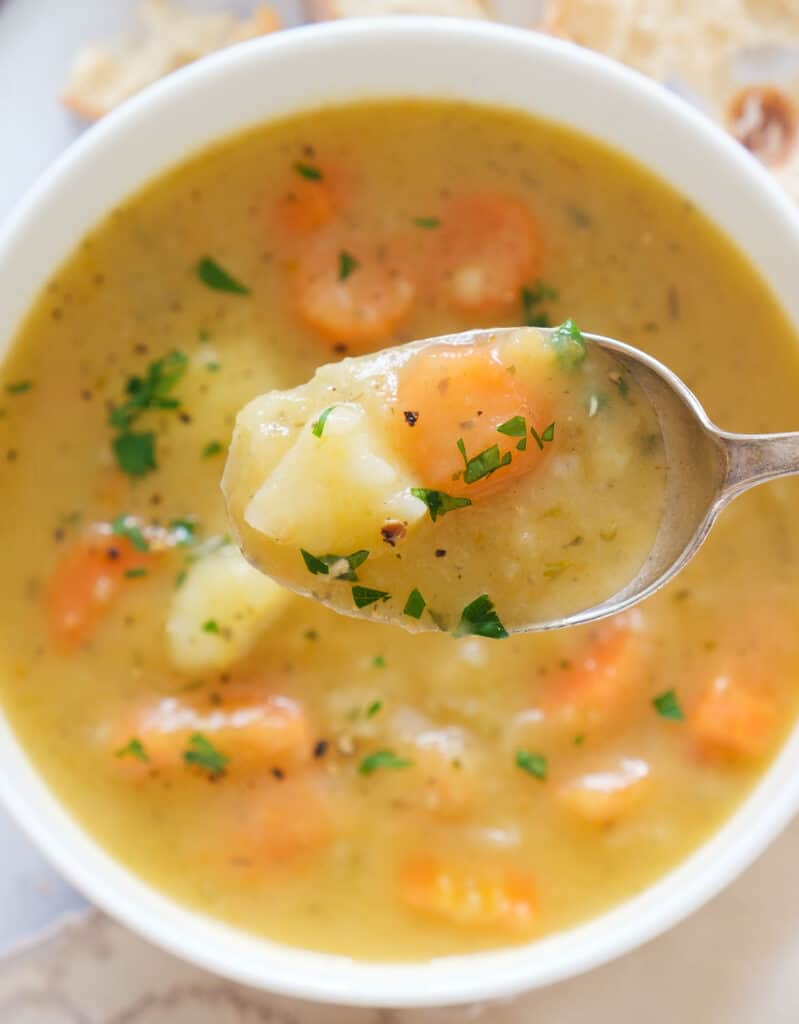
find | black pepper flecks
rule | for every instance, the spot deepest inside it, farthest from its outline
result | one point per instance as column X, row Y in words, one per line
column 411, row 417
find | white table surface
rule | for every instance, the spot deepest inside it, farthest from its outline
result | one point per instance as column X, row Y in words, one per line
column 734, row 962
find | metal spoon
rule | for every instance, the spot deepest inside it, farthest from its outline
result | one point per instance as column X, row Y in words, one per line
column 705, row 469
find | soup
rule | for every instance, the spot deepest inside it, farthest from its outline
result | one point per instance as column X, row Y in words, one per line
column 338, row 784
column 550, row 520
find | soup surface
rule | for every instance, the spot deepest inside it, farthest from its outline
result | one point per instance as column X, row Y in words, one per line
column 353, row 502
column 328, row 782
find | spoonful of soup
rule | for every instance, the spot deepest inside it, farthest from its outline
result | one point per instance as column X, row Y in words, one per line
column 485, row 483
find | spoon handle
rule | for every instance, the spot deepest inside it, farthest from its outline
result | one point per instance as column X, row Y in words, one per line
column 754, row 458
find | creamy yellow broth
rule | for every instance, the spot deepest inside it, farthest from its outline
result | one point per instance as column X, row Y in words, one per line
column 337, row 784
column 426, row 495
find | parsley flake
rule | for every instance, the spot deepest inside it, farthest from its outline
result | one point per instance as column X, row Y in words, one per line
column 532, row 298
column 215, row 276
column 134, row 748
column 211, row 626
column 374, row 708
column 415, row 604
column 135, row 574
column 183, row 532
column 318, row 425
column 135, row 453
column 438, row 503
column 516, row 426
column 427, row 222
column 382, row 759
column 569, row 345
column 212, row 448
column 484, row 464
column 204, row 754
column 480, row 619
column 533, row 764
column 309, row 171
column 343, row 566
column 378, row 661
column 546, row 437
column 363, row 596
column 126, row 526
column 19, row 387
column 346, row 265
column 668, row 706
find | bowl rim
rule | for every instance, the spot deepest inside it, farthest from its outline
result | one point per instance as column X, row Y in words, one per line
column 321, row 976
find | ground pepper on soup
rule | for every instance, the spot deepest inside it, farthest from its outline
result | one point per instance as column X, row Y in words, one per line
column 338, row 784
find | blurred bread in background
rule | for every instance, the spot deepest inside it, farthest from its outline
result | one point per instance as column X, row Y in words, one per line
column 321, row 9
column 166, row 37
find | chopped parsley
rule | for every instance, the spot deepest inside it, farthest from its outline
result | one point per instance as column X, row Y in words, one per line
column 668, row 706
column 484, row 464
column 183, row 532
column 211, row 626
column 363, row 596
column 579, row 739
column 427, row 222
column 378, row 661
column 204, row 754
column 215, row 276
column 415, row 604
column 438, row 503
column 346, row 264
column 533, row 764
column 135, row 574
column 126, row 526
column 135, row 453
column 374, row 708
column 181, row 578
column 516, row 426
column 309, row 171
column 480, row 619
column 344, row 565
column 318, row 424
column 532, row 298
column 547, row 436
column 19, row 387
column 569, row 345
column 212, row 448
column 382, row 759
column 134, row 748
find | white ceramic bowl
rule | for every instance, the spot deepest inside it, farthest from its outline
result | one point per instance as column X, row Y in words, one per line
column 307, row 68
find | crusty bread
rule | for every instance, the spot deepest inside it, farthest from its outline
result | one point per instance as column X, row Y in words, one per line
column 736, row 59
column 322, row 9
column 105, row 74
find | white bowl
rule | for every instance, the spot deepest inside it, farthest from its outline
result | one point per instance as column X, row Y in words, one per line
column 307, row 68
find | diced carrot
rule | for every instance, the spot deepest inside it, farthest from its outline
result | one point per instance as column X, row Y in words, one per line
column 602, row 797
column 490, row 247
column 490, row 897
column 316, row 193
column 352, row 293
column 254, row 729
column 600, row 682
column 456, row 392
column 85, row 584
column 733, row 717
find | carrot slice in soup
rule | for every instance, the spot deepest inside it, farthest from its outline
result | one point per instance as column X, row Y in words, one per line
column 353, row 294
column 490, row 248
column 733, row 717
column 86, row 583
column 453, row 393
column 490, row 897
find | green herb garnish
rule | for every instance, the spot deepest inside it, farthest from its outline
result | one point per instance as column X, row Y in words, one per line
column 320, row 565
column 579, row 739
column 480, row 619
column 309, row 171
column 569, row 345
column 516, row 426
column 438, row 503
column 215, row 276
column 546, row 437
column 378, row 661
column 427, row 222
column 204, row 754
column 415, row 604
column 125, row 526
column 134, row 748
column 382, row 759
column 135, row 574
column 668, row 706
column 374, row 708
column 135, row 453
column 183, row 532
column 533, row 764
column 211, row 626
column 19, row 387
column 484, row 464
column 532, row 298
column 363, row 596
column 212, row 448
column 346, row 265
column 318, row 424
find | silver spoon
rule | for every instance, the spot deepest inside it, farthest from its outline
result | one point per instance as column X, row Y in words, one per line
column 705, row 469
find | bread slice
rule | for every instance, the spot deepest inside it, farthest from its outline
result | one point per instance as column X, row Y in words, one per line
column 737, row 60
column 323, row 9
column 104, row 74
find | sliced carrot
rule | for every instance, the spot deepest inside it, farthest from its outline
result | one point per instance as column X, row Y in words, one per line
column 255, row 730
column 603, row 797
column 352, row 293
column 733, row 717
column 490, row 247
column 309, row 203
column 86, row 583
column 600, row 682
column 454, row 393
column 489, row 897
